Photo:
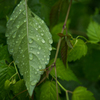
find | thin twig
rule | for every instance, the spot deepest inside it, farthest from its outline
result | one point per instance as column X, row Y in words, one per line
column 58, row 47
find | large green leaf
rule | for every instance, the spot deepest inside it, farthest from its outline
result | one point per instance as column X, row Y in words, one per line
column 48, row 91
column 79, row 49
column 93, row 32
column 62, row 72
column 81, row 93
column 29, row 41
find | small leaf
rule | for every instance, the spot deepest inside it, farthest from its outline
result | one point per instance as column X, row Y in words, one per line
column 64, row 49
column 7, row 84
column 29, row 41
column 93, row 32
column 62, row 72
column 5, row 74
column 20, row 87
column 48, row 91
column 81, row 93
column 79, row 50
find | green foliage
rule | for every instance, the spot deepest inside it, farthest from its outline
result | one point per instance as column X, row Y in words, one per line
column 48, row 91
column 29, row 43
column 20, row 88
column 28, row 40
column 94, row 32
column 5, row 73
column 4, row 54
column 79, row 49
column 81, row 93
column 62, row 72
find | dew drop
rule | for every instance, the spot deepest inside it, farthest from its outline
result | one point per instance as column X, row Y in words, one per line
column 38, row 52
column 30, row 40
column 36, row 29
column 34, row 82
column 40, row 67
column 42, row 21
column 35, row 72
column 14, row 35
column 16, row 41
column 25, row 20
column 42, row 34
column 43, row 41
column 36, row 35
column 18, row 35
column 50, row 41
column 11, row 50
column 37, row 38
column 17, row 26
column 39, row 48
column 30, row 56
column 23, row 56
column 47, row 59
column 50, row 48
column 44, row 56
column 39, row 26
column 42, row 59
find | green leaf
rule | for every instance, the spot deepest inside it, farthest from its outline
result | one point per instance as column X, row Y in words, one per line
column 48, row 91
column 81, row 93
column 4, row 54
column 20, row 87
column 29, row 41
column 79, row 50
column 64, row 50
column 62, row 72
column 5, row 74
column 93, row 32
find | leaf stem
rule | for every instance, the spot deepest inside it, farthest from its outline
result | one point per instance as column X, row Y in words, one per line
column 67, row 97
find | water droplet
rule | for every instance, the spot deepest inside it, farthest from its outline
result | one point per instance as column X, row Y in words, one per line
column 37, row 38
column 19, row 47
column 42, row 34
column 14, row 35
column 44, row 56
column 39, row 48
column 39, row 26
column 40, row 67
column 43, row 41
column 38, row 52
column 30, row 56
column 18, row 35
column 20, row 10
column 42, row 21
column 34, row 82
column 17, row 26
column 21, row 51
column 42, row 59
column 36, row 35
column 35, row 72
column 11, row 19
column 16, row 41
column 50, row 48
column 46, row 62
column 25, row 20
column 50, row 41
column 23, row 56
column 37, row 69
column 36, row 28
column 30, row 40
column 47, row 59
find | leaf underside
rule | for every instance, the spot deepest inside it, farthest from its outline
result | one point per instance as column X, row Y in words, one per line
column 29, row 42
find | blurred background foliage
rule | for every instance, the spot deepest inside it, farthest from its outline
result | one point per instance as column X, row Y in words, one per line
column 53, row 12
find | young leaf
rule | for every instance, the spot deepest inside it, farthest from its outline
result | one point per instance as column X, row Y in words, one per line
column 5, row 74
column 81, row 93
column 48, row 91
column 94, row 32
column 64, row 49
column 62, row 72
column 29, row 41
column 20, row 87
column 79, row 50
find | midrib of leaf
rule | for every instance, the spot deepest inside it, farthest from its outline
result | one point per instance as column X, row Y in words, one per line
column 27, row 23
